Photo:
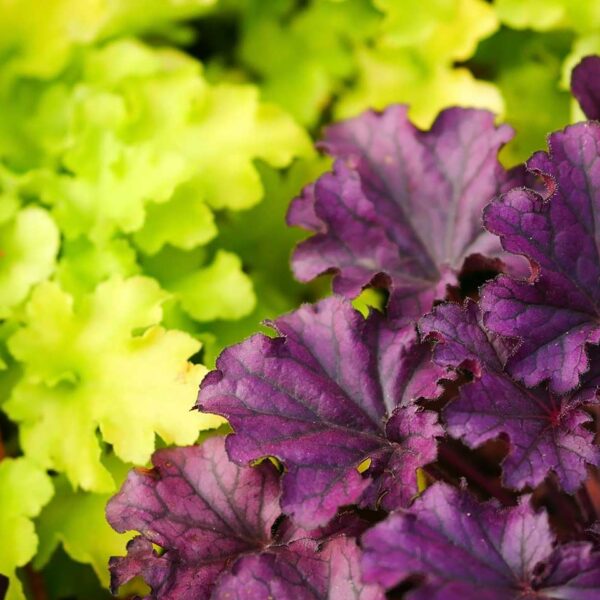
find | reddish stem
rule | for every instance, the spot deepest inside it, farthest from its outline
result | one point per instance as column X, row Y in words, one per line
column 462, row 467
column 36, row 582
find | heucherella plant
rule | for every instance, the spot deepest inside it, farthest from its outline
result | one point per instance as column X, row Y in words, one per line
column 443, row 447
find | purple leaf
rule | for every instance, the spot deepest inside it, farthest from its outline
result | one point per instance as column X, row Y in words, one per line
column 556, row 315
column 466, row 549
column 403, row 203
column 334, row 390
column 214, row 522
column 585, row 85
column 300, row 572
column 545, row 431
column 203, row 510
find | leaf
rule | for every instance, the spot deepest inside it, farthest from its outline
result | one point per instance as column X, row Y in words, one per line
column 332, row 391
column 24, row 490
column 38, row 40
column 203, row 510
column 585, row 85
column 465, row 549
column 545, row 431
column 401, row 202
column 205, row 513
column 78, row 355
column 556, row 314
column 23, row 264
column 220, row 290
column 303, row 54
column 132, row 135
column 300, row 572
column 76, row 520
column 543, row 15
column 412, row 59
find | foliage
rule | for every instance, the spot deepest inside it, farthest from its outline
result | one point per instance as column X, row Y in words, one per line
column 364, row 415
column 148, row 151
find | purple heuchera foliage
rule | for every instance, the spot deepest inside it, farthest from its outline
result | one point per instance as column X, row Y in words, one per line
column 403, row 203
column 206, row 512
column 338, row 398
column 302, row 571
column 557, row 314
column 467, row 549
column 332, row 391
column 585, row 83
column 544, row 430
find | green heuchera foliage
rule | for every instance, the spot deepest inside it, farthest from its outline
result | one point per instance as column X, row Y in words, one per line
column 115, row 153
column 24, row 489
column 148, row 151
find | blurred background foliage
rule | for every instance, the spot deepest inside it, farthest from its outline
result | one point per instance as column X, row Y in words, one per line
column 148, row 152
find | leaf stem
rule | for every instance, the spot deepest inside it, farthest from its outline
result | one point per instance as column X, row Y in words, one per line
column 36, row 582
column 447, row 455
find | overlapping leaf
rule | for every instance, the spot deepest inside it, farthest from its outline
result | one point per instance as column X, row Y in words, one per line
column 119, row 145
column 585, row 84
column 76, row 520
column 303, row 571
column 205, row 512
column 412, row 58
column 93, row 364
column 334, row 390
column 402, row 202
column 37, row 40
column 464, row 549
column 546, row 432
column 557, row 314
column 24, row 490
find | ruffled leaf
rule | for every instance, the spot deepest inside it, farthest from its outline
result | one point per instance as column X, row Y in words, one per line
column 546, row 432
column 332, row 391
column 465, row 549
column 78, row 355
column 23, row 263
column 201, row 509
column 401, row 202
column 585, row 85
column 303, row 571
column 24, row 490
column 554, row 316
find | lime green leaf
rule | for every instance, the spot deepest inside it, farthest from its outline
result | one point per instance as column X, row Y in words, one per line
column 76, row 520
column 412, row 62
column 185, row 221
column 543, row 15
column 240, row 129
column 38, row 38
column 24, row 490
column 304, row 57
column 391, row 75
column 83, row 264
column 439, row 30
column 130, row 127
column 102, row 363
column 28, row 247
column 220, row 290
